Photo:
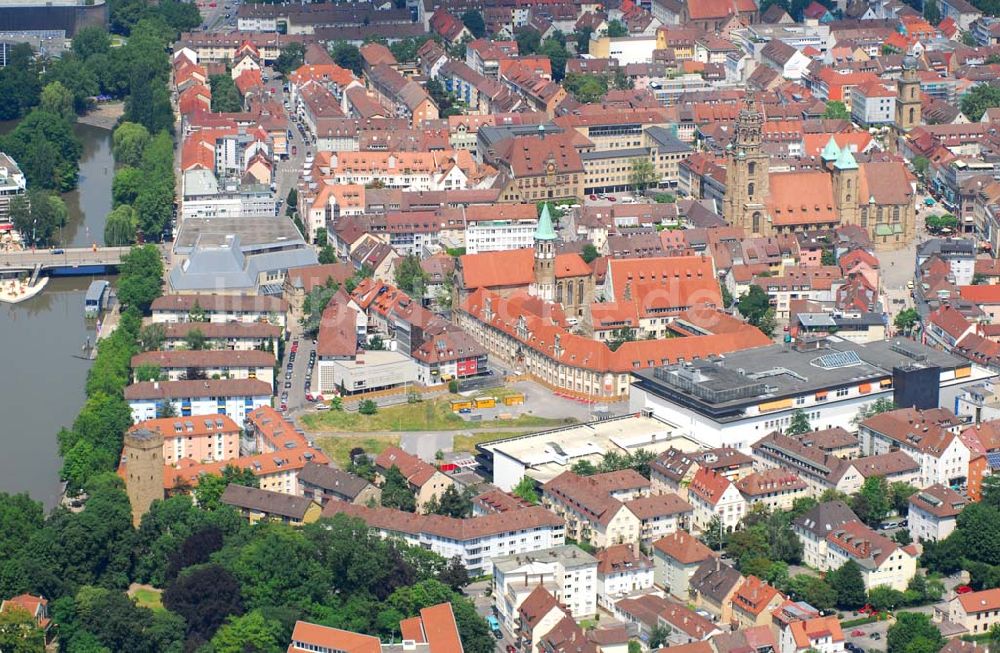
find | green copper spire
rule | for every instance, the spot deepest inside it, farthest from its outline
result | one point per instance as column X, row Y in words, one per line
column 545, row 230
column 831, row 151
column 846, row 161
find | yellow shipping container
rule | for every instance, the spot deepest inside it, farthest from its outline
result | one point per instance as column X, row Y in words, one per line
column 513, row 400
column 459, row 404
column 486, row 402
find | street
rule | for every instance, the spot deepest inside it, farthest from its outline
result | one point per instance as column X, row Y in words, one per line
column 293, row 381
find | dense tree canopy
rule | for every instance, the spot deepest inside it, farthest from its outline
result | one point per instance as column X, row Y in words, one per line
column 979, row 99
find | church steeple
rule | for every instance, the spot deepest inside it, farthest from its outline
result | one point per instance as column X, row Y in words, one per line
column 747, row 178
column 545, row 257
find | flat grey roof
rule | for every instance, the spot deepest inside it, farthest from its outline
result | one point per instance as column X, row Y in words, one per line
column 721, row 387
column 255, row 233
column 614, row 154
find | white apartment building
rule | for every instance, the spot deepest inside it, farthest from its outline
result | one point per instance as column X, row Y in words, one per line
column 622, row 570
column 568, row 572
column 712, row 494
column 873, row 104
column 12, row 184
column 929, row 437
column 220, row 308
column 234, row 398
column 813, row 527
column 499, row 235
column 882, row 561
column 934, row 512
column 476, row 541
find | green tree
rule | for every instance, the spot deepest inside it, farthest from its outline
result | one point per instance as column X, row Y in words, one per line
column 556, row 51
column 367, row 407
column 410, row 277
column 921, row 164
column 525, row 489
column 589, row 253
column 205, row 595
column 585, row 87
column 225, row 95
column 147, row 372
column 38, row 215
column 828, row 257
column 89, row 41
column 813, row 590
column 46, row 149
column 211, row 486
column 617, row 29
column 396, row 492
column 932, row 12
column 659, row 637
column 906, row 320
column 885, row 598
column 473, row 21
column 347, row 56
column 454, row 503
column 327, row 255
column 799, row 424
column 140, row 279
column 129, row 142
column 119, row 226
column 583, row 467
column 20, row 83
column 529, row 41
column 849, row 585
column 900, row 493
column 914, row 632
column 148, row 102
column 837, row 110
column 126, row 184
column 713, row 535
column 582, row 38
column 196, row 340
column 882, row 405
column 154, row 207
column 938, row 223
column 873, row 501
column 979, row 99
column 57, row 99
column 754, row 304
column 292, row 56
column 642, row 175
column 250, row 632
column 76, row 78
column 619, row 337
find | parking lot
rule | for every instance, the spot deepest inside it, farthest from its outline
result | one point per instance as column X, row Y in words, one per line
column 297, row 366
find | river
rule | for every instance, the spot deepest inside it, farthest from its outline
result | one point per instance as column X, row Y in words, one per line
column 41, row 378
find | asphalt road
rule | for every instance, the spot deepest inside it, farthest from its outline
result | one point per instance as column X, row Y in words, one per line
column 300, row 367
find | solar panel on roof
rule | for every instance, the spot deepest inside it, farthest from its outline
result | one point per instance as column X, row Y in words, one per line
column 993, row 459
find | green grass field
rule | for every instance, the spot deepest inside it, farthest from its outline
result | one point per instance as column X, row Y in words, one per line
column 148, row 598
column 338, row 447
column 432, row 415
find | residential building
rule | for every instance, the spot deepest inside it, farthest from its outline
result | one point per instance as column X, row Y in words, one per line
column 12, row 185
column 323, row 483
column 539, row 613
column 713, row 495
column 179, row 364
column 673, row 470
column 594, row 507
column 235, row 398
column 568, row 572
column 648, row 612
column 774, row 488
column 934, row 512
column 753, row 602
column 929, row 437
column 712, row 588
column 978, row 612
column 256, row 505
column 813, row 527
column 476, row 540
column 622, row 570
column 821, row 634
column 36, row 606
column 424, row 479
column 220, row 308
column 958, row 253
column 873, row 104
column 433, row 631
column 237, row 336
column 676, row 557
column 882, row 561
column 203, row 438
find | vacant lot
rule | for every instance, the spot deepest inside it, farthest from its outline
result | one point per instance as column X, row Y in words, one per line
column 338, row 447
column 432, row 415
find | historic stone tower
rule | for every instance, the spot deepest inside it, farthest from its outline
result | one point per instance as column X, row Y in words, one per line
column 143, row 470
column 747, row 173
column 845, row 187
column 545, row 257
column 908, row 96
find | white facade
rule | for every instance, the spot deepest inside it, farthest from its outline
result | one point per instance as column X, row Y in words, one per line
column 568, row 572
column 730, row 509
column 942, row 467
column 619, row 584
column 925, row 526
column 236, row 408
column 499, row 235
column 877, row 110
column 895, row 571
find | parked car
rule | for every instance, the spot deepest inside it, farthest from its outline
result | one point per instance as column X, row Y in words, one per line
column 857, row 632
column 963, row 589
column 876, row 636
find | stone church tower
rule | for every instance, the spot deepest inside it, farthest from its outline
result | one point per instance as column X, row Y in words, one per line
column 545, row 257
column 747, row 173
column 908, row 96
column 845, row 187
column 143, row 470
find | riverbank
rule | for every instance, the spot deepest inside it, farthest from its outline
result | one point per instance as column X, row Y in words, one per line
column 104, row 115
